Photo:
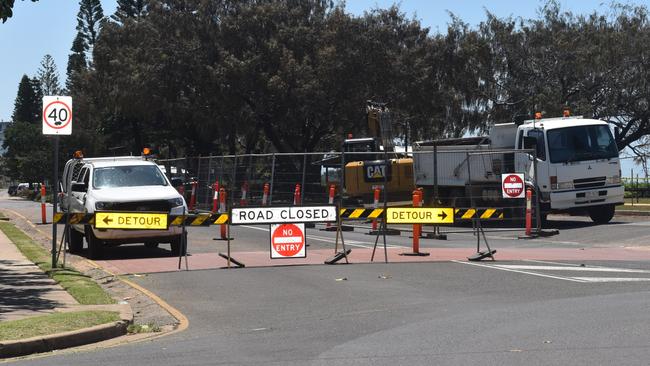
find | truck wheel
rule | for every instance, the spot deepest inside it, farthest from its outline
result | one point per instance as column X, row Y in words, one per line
column 94, row 244
column 151, row 244
column 176, row 244
column 602, row 214
column 76, row 243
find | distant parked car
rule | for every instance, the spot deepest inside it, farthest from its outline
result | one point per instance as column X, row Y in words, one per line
column 13, row 190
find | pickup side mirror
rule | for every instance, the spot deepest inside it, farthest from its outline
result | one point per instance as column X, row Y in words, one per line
column 79, row 187
column 530, row 142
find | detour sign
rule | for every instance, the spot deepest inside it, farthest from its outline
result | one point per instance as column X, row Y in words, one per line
column 288, row 241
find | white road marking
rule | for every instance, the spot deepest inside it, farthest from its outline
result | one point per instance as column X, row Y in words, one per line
column 519, row 271
column 611, row 279
column 570, row 268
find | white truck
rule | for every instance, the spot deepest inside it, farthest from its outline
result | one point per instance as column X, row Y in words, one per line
column 128, row 184
column 577, row 166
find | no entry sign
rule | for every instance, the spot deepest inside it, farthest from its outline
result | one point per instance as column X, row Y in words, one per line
column 57, row 115
column 288, row 241
column 513, row 186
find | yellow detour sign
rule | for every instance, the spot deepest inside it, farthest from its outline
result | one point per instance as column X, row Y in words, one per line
column 419, row 215
column 131, row 220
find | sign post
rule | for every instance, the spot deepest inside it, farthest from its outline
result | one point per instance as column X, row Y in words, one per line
column 57, row 120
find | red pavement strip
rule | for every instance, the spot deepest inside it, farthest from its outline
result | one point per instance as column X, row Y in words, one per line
column 201, row 261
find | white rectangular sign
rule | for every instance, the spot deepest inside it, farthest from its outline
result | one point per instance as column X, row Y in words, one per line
column 279, row 215
column 57, row 115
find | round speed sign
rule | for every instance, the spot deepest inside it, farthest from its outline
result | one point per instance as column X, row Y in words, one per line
column 57, row 115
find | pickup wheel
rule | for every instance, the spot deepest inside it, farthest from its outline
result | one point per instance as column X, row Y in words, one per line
column 95, row 245
column 176, row 244
column 602, row 214
column 76, row 243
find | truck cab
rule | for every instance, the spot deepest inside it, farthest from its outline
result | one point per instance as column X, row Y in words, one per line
column 578, row 167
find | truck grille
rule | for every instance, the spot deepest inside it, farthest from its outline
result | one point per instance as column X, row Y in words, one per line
column 158, row 205
column 589, row 182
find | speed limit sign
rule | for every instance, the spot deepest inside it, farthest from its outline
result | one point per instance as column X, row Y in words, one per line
column 57, row 115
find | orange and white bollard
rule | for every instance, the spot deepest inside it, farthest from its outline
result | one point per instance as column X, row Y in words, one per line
column 244, row 194
column 193, row 196
column 222, row 209
column 529, row 213
column 43, row 210
column 377, row 192
column 296, row 196
column 416, row 227
column 215, row 197
column 265, row 194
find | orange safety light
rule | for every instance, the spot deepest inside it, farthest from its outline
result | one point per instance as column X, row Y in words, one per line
column 78, row 154
column 538, row 115
column 146, row 151
column 349, row 135
column 566, row 112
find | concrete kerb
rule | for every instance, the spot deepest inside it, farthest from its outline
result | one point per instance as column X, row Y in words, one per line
column 73, row 338
column 107, row 331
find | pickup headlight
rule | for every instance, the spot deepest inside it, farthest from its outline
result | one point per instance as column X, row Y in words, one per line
column 616, row 179
column 175, row 202
column 102, row 206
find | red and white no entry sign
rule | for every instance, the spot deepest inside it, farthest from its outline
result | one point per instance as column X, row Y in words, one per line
column 513, row 186
column 288, row 241
column 57, row 115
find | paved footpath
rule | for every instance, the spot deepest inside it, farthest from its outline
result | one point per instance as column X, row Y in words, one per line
column 25, row 290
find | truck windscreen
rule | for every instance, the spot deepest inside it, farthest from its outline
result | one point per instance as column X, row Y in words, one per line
column 128, row 176
column 580, row 143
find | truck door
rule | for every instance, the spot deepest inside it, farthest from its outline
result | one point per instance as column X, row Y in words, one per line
column 539, row 144
column 78, row 189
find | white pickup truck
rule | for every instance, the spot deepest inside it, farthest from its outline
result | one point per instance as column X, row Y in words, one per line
column 127, row 184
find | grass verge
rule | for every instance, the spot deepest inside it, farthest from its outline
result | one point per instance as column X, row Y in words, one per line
column 54, row 323
column 80, row 286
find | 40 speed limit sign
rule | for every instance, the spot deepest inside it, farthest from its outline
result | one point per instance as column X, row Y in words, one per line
column 57, row 115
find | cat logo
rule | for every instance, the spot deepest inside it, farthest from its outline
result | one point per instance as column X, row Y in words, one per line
column 375, row 170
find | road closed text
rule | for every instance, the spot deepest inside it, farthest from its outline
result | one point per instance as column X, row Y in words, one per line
column 271, row 215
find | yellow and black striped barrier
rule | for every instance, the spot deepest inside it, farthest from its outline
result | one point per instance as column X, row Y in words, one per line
column 345, row 214
column 174, row 220
column 360, row 213
column 478, row 213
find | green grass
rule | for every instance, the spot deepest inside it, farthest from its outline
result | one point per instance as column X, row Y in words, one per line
column 54, row 323
column 80, row 286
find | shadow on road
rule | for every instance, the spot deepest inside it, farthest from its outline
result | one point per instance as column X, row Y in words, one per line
column 133, row 252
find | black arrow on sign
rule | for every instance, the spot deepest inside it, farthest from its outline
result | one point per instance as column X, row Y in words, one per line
column 107, row 220
column 442, row 216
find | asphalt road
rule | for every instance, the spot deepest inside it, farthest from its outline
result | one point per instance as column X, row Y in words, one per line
column 451, row 313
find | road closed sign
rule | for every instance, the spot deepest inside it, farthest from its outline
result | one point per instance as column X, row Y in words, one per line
column 57, row 115
column 288, row 241
column 512, row 186
column 279, row 215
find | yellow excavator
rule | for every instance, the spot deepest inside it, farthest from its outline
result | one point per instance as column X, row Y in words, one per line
column 364, row 162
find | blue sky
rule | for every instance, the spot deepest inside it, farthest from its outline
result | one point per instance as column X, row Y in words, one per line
column 48, row 27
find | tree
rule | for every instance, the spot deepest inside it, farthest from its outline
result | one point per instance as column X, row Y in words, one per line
column 89, row 22
column 76, row 61
column 27, row 149
column 49, row 77
column 27, row 107
column 6, row 9
column 129, row 9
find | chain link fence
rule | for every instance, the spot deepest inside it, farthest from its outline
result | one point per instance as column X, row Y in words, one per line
column 458, row 177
